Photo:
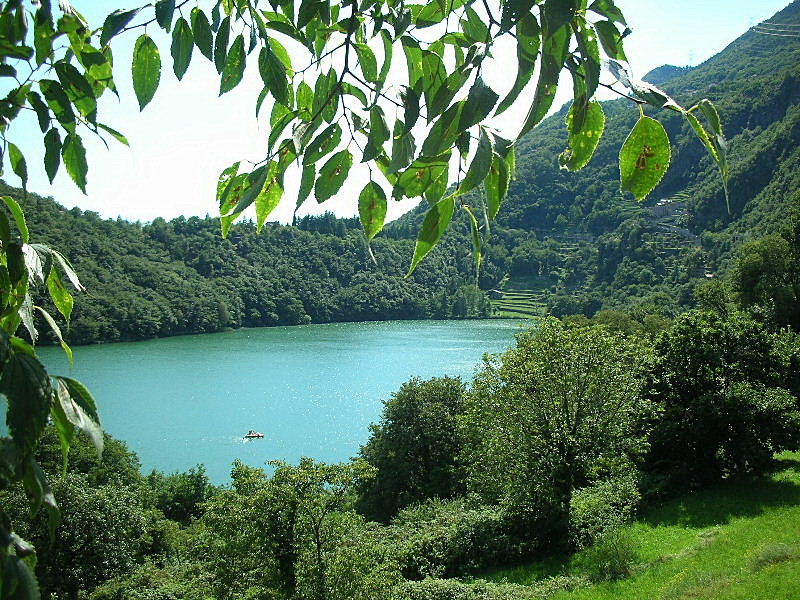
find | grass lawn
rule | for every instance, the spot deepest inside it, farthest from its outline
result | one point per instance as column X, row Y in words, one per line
column 740, row 540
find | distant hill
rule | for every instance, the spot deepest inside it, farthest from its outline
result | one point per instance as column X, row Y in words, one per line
column 576, row 241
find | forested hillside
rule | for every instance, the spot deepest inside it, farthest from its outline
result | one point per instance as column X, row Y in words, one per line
column 573, row 240
column 167, row 278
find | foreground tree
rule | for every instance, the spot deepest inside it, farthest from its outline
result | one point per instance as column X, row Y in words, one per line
column 414, row 447
column 720, row 381
column 561, row 410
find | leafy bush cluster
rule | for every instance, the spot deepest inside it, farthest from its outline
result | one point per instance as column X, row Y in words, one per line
column 551, row 448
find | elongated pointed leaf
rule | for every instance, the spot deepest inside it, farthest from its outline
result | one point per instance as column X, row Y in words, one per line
column 146, row 69
column 583, row 142
column 476, row 239
column 644, row 157
column 165, row 9
column 58, row 102
column 270, row 195
column 554, row 51
column 372, row 209
column 61, row 297
column 202, row 34
column 19, row 217
column 479, row 104
column 182, row 46
column 80, row 409
column 332, row 175
column 306, row 183
column 221, row 44
column 367, row 62
column 26, row 386
column 51, row 322
column 496, row 184
column 325, row 143
column 436, row 222
column 114, row 133
column 273, row 73
column 116, row 22
column 42, row 112
column 528, row 42
column 74, row 156
column 18, row 164
column 480, row 165
column 234, row 66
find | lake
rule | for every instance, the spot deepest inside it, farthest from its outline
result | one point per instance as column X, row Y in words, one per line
column 312, row 390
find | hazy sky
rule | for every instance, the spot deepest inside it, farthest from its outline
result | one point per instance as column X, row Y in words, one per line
column 187, row 136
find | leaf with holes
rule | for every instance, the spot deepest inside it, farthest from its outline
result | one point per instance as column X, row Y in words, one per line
column 436, row 222
column 644, row 157
column 332, row 175
column 372, row 209
column 583, row 142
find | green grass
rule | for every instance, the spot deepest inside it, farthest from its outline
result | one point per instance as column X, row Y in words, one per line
column 739, row 541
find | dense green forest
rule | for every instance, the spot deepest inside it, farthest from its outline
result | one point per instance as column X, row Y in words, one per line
column 166, row 278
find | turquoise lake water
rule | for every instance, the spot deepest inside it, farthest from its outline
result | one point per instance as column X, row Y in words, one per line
column 312, row 390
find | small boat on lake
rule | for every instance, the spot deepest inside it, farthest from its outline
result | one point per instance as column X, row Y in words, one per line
column 253, row 434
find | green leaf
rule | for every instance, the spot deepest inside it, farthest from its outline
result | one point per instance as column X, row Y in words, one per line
column 610, row 39
column 367, row 62
column 41, row 110
column 306, row 183
column 58, row 102
column 554, row 53
column 479, row 103
column 410, row 100
column 378, row 134
column 644, row 157
column 372, row 209
column 221, row 44
column 165, row 9
column 201, row 31
column 444, row 132
column 326, row 98
column 234, row 66
column 513, row 12
column 332, row 175
column 476, row 238
column 116, row 22
column 61, row 297
column 182, row 46
column 52, row 153
column 19, row 217
column 480, row 165
column 712, row 116
column 80, row 409
column 116, row 134
column 26, row 386
column 18, row 164
column 66, row 266
column 74, row 156
column 24, row 581
column 496, row 185
column 583, row 142
column 325, row 143
column 146, row 69
column 608, row 9
column 43, row 34
column 388, row 47
column 403, row 148
column 422, row 174
column 273, row 73
column 78, row 89
column 38, row 490
column 436, row 222
column 56, row 330
column 270, row 195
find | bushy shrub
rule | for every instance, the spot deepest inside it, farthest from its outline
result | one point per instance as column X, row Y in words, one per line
column 180, row 495
column 446, row 539
column 612, row 557
column 602, row 507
